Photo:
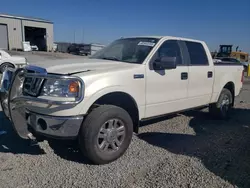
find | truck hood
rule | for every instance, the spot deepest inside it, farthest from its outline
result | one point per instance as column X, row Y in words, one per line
column 73, row 66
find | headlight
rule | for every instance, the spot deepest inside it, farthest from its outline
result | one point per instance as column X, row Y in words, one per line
column 61, row 88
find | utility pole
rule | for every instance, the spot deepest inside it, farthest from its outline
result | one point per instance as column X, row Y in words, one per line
column 82, row 35
column 74, row 36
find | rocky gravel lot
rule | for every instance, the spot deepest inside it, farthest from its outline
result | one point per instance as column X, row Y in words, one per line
column 183, row 150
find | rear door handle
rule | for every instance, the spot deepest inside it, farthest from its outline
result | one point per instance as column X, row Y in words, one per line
column 184, row 75
column 209, row 74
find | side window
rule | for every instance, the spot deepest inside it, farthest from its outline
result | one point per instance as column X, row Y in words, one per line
column 197, row 53
column 170, row 48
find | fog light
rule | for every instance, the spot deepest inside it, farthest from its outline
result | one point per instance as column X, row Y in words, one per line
column 42, row 124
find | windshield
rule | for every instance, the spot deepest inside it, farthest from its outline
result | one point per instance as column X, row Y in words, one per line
column 130, row 50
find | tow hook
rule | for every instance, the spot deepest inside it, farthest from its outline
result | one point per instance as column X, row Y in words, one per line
column 32, row 139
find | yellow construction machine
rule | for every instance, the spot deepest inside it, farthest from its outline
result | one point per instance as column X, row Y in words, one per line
column 226, row 51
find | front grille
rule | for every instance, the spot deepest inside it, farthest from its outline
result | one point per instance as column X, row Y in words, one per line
column 32, row 85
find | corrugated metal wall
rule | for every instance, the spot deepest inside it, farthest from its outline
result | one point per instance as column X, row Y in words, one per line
column 14, row 32
column 16, row 36
column 3, row 37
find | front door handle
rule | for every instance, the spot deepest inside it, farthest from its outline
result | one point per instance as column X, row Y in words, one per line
column 209, row 74
column 184, row 75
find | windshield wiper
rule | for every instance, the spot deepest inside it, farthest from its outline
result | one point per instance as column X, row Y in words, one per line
column 111, row 58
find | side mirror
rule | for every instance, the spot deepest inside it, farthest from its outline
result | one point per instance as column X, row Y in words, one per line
column 165, row 63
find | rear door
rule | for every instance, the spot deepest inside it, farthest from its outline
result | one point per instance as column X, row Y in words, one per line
column 201, row 73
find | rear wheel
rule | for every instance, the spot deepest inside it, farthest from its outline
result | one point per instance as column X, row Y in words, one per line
column 106, row 134
column 222, row 108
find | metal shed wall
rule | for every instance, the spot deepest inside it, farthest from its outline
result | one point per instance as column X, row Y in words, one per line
column 14, row 32
column 15, row 27
column 3, row 37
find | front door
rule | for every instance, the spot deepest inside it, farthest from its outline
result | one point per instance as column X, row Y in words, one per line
column 166, row 90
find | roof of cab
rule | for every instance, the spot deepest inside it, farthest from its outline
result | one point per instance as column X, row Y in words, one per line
column 162, row 37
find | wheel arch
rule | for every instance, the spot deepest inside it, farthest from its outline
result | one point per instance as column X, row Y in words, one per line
column 121, row 99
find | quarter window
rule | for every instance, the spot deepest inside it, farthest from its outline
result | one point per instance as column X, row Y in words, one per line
column 197, row 53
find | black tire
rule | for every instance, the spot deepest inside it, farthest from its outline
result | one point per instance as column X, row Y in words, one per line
column 1, row 102
column 4, row 65
column 220, row 109
column 88, row 135
column 2, row 69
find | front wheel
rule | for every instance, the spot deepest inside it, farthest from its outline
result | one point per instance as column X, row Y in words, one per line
column 5, row 66
column 4, row 105
column 222, row 108
column 106, row 134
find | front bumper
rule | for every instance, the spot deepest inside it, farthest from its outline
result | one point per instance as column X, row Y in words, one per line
column 52, row 126
column 26, row 122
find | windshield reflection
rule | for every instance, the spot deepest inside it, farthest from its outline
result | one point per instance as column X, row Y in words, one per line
column 130, row 50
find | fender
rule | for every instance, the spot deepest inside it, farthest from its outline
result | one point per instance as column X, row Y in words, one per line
column 220, row 85
column 88, row 102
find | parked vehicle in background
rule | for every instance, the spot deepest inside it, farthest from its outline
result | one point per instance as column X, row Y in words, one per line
column 34, row 47
column 102, row 101
column 226, row 51
column 84, row 49
column 11, row 61
column 91, row 49
column 76, row 49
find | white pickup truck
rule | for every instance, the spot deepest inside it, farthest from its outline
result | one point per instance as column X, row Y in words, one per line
column 101, row 100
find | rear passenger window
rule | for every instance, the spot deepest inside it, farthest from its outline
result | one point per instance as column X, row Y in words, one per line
column 197, row 53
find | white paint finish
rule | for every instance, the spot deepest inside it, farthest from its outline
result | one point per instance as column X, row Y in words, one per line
column 155, row 94
column 164, row 90
column 199, row 85
column 67, row 66
column 104, row 77
column 225, row 74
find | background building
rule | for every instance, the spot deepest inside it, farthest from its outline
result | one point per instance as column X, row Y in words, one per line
column 15, row 29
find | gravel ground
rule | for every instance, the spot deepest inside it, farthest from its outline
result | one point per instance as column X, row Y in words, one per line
column 183, row 150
